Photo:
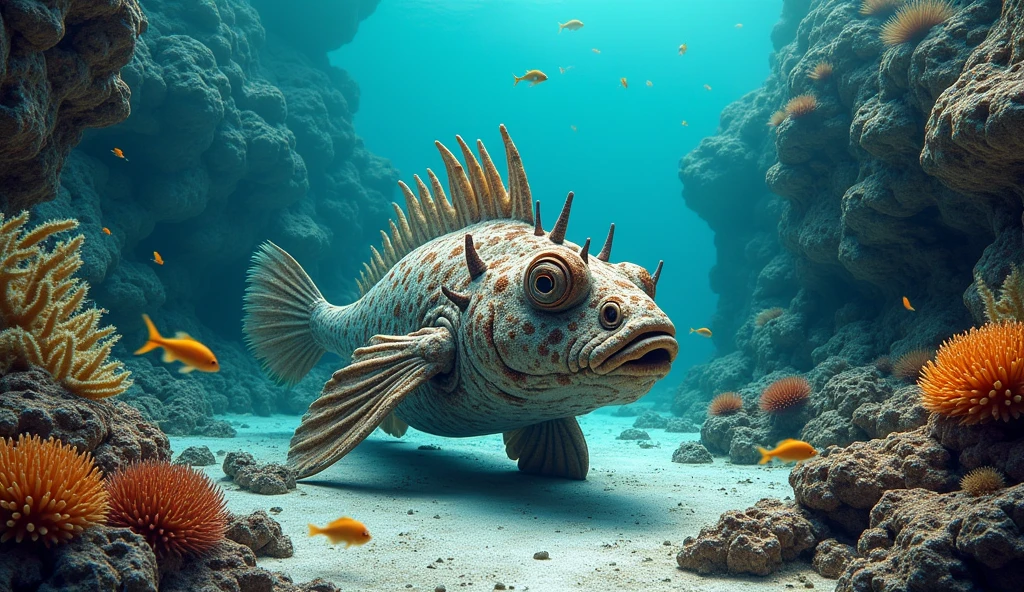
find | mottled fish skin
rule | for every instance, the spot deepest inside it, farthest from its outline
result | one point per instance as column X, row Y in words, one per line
column 516, row 366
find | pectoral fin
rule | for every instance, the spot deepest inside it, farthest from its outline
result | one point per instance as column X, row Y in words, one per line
column 359, row 397
column 553, row 448
column 394, row 426
column 168, row 357
column 186, row 369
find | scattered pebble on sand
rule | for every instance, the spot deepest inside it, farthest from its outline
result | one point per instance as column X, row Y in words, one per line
column 440, row 589
column 428, row 447
column 276, row 510
column 541, row 555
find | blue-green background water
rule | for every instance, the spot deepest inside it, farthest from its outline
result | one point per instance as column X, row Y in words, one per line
column 430, row 69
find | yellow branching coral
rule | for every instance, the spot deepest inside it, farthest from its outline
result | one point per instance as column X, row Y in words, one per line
column 1009, row 306
column 42, row 311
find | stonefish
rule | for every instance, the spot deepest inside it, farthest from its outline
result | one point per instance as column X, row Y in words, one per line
column 472, row 320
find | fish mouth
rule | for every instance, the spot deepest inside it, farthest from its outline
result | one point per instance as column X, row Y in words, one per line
column 644, row 351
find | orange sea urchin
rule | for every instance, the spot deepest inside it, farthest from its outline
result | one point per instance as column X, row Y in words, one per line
column 801, row 106
column 777, row 118
column 725, row 404
column 178, row 509
column 768, row 314
column 914, row 20
column 48, row 491
column 977, row 376
column 821, row 71
column 785, row 394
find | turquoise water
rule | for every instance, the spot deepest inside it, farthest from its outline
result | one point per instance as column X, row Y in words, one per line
column 430, row 69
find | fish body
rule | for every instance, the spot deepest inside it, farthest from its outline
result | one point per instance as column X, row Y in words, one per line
column 707, row 87
column 119, row 153
column 572, row 25
column 478, row 323
column 789, row 451
column 703, row 331
column 595, row 50
column 157, row 258
column 343, row 530
column 181, row 348
column 572, row 127
column 106, row 230
column 649, row 83
column 623, row 82
column 534, row 77
column 906, row 304
column 739, row 25
column 684, row 123
column 682, row 49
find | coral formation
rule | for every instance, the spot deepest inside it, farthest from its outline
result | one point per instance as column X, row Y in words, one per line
column 982, row 480
column 1009, row 305
column 692, row 453
column 801, row 106
column 877, row 7
column 724, row 404
column 914, row 20
column 777, row 118
column 43, row 312
column 821, row 71
column 908, row 366
column 114, row 433
column 60, row 69
column 768, row 314
column 178, row 509
column 785, row 394
column 48, row 491
column 978, row 376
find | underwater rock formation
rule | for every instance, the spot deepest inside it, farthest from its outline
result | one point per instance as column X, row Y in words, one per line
column 265, row 479
column 113, row 432
column 232, row 566
column 61, row 61
column 261, row 533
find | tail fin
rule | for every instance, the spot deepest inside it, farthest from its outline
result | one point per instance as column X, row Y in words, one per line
column 517, row 79
column 560, row 27
column 278, row 305
column 314, row 530
column 692, row 330
column 154, row 337
column 765, row 456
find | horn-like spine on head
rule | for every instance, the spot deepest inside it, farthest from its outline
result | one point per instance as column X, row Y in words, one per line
column 606, row 250
column 557, row 235
column 458, row 299
column 538, row 230
column 584, row 251
column 475, row 264
column 654, row 278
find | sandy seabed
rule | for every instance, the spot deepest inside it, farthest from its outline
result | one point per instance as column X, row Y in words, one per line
column 462, row 516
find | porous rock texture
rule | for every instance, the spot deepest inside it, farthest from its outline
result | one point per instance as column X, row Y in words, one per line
column 59, row 71
column 264, row 479
column 113, row 432
column 261, row 533
column 236, row 136
column 231, row 567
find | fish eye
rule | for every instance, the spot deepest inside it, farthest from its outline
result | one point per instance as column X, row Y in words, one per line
column 554, row 283
column 611, row 315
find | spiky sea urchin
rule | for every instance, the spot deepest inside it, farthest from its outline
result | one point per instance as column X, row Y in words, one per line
column 878, row 7
column 178, row 509
column 49, row 492
column 821, row 71
column 914, row 20
column 983, row 480
column 977, row 376
column 910, row 364
column 777, row 118
column 801, row 106
column 768, row 314
column 725, row 404
column 785, row 394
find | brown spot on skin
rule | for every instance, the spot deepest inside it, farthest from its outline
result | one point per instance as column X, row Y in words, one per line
column 419, row 278
column 554, row 358
column 634, row 299
column 563, row 380
column 429, row 257
column 458, row 251
column 398, row 310
column 573, row 326
column 501, row 284
column 624, row 285
column 650, row 306
column 543, row 350
column 528, row 328
column 555, row 336
column 512, row 335
column 436, row 268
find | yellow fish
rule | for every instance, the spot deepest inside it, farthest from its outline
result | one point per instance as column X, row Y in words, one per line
column 596, row 50
column 573, row 25
column 649, row 83
column 157, row 258
column 788, row 451
column 739, row 25
column 682, row 49
column 106, row 230
column 684, row 123
column 119, row 153
column 534, row 77
column 707, row 87
column 182, row 348
column 906, row 303
column 703, row 331
column 344, row 529
column 623, row 82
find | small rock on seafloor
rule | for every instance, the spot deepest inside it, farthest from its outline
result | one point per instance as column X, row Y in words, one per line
column 196, row 456
column 541, row 555
column 633, row 434
column 440, row 589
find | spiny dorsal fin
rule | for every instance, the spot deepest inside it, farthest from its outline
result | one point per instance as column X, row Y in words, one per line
column 477, row 194
column 183, row 335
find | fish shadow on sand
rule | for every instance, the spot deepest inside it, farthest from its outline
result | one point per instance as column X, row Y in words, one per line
column 389, row 468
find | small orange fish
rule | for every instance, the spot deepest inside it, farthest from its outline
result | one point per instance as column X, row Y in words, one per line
column 596, row 50
column 182, row 348
column 684, row 123
column 119, row 153
column 573, row 25
column 682, row 49
column 573, row 127
column 534, row 77
column 906, row 303
column 344, row 529
column 703, row 331
column 623, row 82
column 157, row 258
column 707, row 87
column 788, row 451
column 106, row 230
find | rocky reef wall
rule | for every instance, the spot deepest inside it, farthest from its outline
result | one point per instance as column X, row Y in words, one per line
column 832, row 218
column 236, row 135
